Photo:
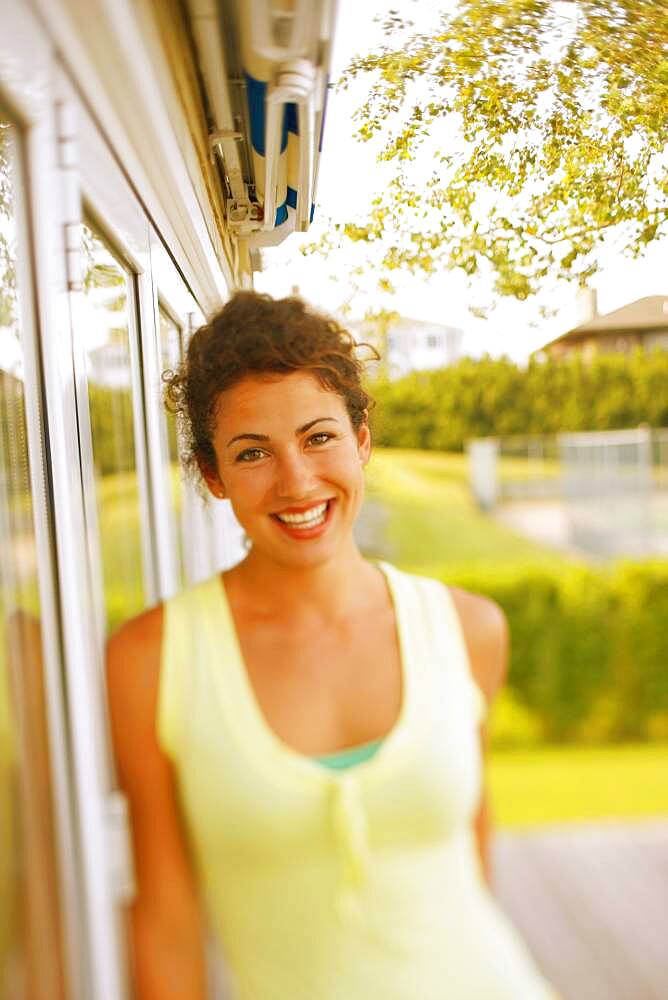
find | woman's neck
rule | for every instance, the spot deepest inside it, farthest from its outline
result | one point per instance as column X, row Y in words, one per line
column 327, row 590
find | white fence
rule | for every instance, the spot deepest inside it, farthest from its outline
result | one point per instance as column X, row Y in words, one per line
column 609, row 488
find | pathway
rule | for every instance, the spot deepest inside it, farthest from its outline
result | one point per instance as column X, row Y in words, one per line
column 592, row 904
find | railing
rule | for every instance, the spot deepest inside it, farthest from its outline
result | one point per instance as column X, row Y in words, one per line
column 611, row 486
column 530, row 467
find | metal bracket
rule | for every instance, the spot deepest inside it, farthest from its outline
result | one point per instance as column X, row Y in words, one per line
column 68, row 162
column 224, row 135
column 119, row 848
column 244, row 217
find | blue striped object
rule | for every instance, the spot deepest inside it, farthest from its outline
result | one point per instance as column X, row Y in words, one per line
column 256, row 92
column 259, row 72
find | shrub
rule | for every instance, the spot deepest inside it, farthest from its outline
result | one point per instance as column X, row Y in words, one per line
column 476, row 398
column 589, row 648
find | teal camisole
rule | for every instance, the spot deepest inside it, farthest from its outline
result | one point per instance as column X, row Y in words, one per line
column 342, row 759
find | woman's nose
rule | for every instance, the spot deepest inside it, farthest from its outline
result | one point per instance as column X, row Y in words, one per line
column 295, row 477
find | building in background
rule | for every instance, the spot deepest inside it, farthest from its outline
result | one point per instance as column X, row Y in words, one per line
column 640, row 324
column 408, row 345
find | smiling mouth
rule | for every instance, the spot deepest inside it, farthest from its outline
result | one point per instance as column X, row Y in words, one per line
column 304, row 520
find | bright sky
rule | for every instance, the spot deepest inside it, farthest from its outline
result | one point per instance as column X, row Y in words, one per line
column 349, row 178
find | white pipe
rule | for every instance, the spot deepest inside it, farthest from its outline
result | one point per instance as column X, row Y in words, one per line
column 205, row 22
column 272, row 151
column 294, row 84
column 306, row 119
column 280, row 46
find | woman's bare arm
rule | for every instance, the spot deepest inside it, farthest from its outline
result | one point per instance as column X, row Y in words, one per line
column 166, row 921
column 483, row 822
column 487, row 639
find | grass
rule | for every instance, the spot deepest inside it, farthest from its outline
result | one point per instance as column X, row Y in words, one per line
column 433, row 525
column 118, row 508
column 551, row 785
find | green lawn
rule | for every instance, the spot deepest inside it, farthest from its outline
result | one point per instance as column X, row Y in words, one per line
column 551, row 785
column 118, row 511
column 433, row 525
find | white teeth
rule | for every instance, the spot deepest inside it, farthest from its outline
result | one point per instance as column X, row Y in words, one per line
column 311, row 517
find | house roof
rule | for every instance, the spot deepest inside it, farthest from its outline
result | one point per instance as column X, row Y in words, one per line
column 649, row 313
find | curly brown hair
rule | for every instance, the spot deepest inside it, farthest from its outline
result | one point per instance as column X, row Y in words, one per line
column 256, row 335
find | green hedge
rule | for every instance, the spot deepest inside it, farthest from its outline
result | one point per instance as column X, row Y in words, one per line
column 477, row 398
column 589, row 649
column 112, row 427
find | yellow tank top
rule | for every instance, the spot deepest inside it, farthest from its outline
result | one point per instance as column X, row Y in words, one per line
column 339, row 885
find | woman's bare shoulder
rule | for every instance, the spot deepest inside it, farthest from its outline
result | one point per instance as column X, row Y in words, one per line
column 143, row 628
column 486, row 634
column 133, row 665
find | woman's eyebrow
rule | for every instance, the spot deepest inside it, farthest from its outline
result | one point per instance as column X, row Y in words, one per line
column 265, row 437
column 307, row 427
column 247, row 437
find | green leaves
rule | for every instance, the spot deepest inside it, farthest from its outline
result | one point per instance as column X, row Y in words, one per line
column 7, row 248
column 556, row 120
column 497, row 397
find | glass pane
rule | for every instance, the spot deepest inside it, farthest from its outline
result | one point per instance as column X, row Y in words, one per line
column 171, row 347
column 30, row 933
column 110, row 392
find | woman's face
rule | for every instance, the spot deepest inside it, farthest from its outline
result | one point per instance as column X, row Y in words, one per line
column 291, row 465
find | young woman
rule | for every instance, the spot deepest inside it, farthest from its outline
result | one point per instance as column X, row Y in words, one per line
column 301, row 737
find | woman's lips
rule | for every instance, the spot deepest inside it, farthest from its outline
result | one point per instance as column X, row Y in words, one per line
column 305, row 530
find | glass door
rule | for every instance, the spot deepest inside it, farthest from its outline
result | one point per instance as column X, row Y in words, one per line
column 32, row 937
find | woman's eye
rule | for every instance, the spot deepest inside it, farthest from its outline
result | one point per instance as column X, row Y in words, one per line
column 250, row 455
column 321, row 438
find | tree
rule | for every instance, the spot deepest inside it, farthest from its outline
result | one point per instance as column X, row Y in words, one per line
column 525, row 133
column 7, row 251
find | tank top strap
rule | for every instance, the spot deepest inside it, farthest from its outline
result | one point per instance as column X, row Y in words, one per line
column 438, row 636
column 187, row 645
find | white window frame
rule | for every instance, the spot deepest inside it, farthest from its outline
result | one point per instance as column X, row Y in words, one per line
column 168, row 526
column 137, row 317
column 114, row 212
column 113, row 50
column 167, row 529
column 27, row 72
column 212, row 537
column 40, row 55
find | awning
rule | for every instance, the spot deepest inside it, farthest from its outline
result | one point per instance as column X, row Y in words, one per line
column 285, row 51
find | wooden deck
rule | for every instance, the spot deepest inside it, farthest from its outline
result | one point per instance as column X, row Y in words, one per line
column 592, row 905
